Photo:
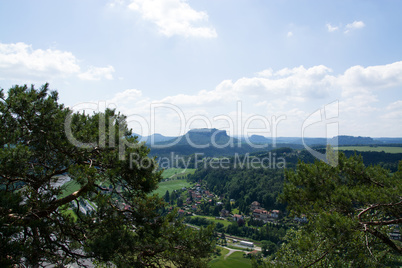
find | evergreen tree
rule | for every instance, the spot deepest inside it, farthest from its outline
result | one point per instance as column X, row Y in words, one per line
column 167, row 198
column 43, row 145
column 351, row 210
column 228, row 207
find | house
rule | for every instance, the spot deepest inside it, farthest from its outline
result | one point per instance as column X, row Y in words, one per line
column 261, row 214
column 264, row 215
column 275, row 213
column 237, row 217
column 255, row 205
column 257, row 212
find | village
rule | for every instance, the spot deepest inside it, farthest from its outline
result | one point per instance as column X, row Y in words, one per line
column 197, row 197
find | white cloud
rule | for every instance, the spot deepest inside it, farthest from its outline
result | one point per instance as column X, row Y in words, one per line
column 292, row 92
column 394, row 113
column 266, row 73
column 128, row 95
column 21, row 61
column 290, row 34
column 298, row 84
column 174, row 17
column 360, row 79
column 97, row 73
column 354, row 25
column 331, row 28
column 395, row 105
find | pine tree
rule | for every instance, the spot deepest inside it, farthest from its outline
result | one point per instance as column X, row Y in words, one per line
column 351, row 211
column 42, row 145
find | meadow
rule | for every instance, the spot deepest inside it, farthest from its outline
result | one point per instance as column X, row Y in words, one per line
column 172, row 173
column 213, row 219
column 235, row 259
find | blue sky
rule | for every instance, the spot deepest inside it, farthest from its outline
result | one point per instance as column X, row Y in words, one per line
column 249, row 67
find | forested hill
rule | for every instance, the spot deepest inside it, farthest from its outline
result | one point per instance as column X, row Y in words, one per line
column 243, row 185
column 260, row 176
column 210, row 143
column 251, row 177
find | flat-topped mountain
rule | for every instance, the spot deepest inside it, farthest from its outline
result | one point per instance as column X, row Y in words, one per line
column 203, row 137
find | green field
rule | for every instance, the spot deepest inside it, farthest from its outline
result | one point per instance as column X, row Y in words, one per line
column 392, row 150
column 233, row 260
column 224, row 222
column 176, row 172
column 170, row 186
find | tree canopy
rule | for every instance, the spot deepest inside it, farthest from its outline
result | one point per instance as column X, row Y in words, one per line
column 352, row 211
column 44, row 144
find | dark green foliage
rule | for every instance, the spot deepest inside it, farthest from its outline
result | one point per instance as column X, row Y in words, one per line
column 268, row 248
column 385, row 160
column 351, row 211
column 271, row 232
column 126, row 228
column 167, row 197
column 245, row 185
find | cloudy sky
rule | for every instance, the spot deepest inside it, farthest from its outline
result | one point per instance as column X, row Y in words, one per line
column 274, row 68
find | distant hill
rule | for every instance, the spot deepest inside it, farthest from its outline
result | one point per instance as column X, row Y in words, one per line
column 350, row 140
column 214, row 142
column 258, row 139
column 203, row 137
column 388, row 140
column 209, row 142
column 154, row 138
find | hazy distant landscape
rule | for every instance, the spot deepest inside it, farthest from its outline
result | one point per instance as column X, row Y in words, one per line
column 187, row 133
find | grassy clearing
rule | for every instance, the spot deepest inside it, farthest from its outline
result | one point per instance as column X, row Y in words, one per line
column 224, row 222
column 233, row 260
column 170, row 186
column 392, row 150
column 71, row 213
column 176, row 172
